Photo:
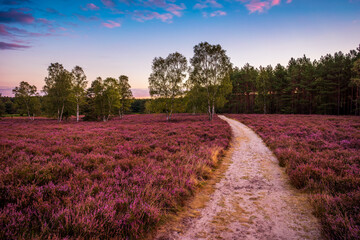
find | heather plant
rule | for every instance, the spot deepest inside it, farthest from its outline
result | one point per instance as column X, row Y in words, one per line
column 321, row 155
column 101, row 180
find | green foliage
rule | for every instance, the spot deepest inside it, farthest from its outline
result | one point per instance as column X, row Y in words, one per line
column 106, row 98
column 58, row 90
column 125, row 95
column 79, row 85
column 138, row 105
column 2, row 106
column 159, row 105
column 26, row 99
column 166, row 80
column 355, row 83
column 327, row 86
column 210, row 70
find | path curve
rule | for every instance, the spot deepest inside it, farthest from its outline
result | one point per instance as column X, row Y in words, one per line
column 254, row 200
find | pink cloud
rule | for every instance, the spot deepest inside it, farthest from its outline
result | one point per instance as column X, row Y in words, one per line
column 176, row 9
column 11, row 46
column 14, row 16
column 111, row 24
column 257, row 6
column 275, row 2
column 108, row 3
column 217, row 14
column 261, row 6
column 142, row 16
column 92, row 6
column 3, row 31
column 207, row 4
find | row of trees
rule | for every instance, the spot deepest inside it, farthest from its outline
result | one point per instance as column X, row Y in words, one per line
column 66, row 93
column 209, row 78
column 326, row 86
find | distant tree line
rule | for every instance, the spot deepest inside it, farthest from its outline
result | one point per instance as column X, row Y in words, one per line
column 329, row 85
column 326, row 86
column 66, row 94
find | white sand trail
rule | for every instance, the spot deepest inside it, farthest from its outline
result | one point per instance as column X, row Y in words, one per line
column 254, row 200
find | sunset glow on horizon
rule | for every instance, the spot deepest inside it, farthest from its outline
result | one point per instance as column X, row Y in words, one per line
column 109, row 38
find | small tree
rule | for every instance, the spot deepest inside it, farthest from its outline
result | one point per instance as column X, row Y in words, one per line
column 111, row 96
column 95, row 107
column 125, row 95
column 26, row 99
column 210, row 69
column 58, row 88
column 166, row 80
column 79, row 84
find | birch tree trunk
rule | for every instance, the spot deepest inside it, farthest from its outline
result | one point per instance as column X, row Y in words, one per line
column 62, row 112
column 77, row 112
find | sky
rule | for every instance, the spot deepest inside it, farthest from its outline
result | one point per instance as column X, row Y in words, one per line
column 109, row 38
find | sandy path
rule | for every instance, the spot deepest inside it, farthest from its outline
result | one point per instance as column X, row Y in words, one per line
column 254, row 200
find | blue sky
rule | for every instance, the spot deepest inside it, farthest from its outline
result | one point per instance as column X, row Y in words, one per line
column 109, row 38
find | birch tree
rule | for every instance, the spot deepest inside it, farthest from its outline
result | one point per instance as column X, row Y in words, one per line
column 58, row 86
column 125, row 95
column 166, row 79
column 25, row 97
column 111, row 95
column 210, row 69
column 79, row 84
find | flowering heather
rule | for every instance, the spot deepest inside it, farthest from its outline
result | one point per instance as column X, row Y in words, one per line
column 321, row 155
column 101, row 180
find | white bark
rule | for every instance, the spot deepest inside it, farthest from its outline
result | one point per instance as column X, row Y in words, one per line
column 77, row 112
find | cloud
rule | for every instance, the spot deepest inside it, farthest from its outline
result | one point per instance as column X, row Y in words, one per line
column 276, row 2
column 155, row 3
column 13, row 2
column 43, row 21
column 256, row 6
column 54, row 11
column 86, row 19
column 261, row 6
column 108, row 3
column 11, row 46
column 3, row 31
column 217, row 14
column 111, row 24
column 14, row 16
column 15, row 32
column 207, row 4
column 176, row 9
column 91, row 6
column 143, row 16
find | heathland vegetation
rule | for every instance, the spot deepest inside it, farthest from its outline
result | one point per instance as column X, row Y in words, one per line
column 118, row 177
column 321, row 155
column 98, row 180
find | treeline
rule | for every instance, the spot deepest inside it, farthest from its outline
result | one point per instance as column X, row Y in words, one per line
column 210, row 84
column 8, row 107
column 66, row 94
column 329, row 85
